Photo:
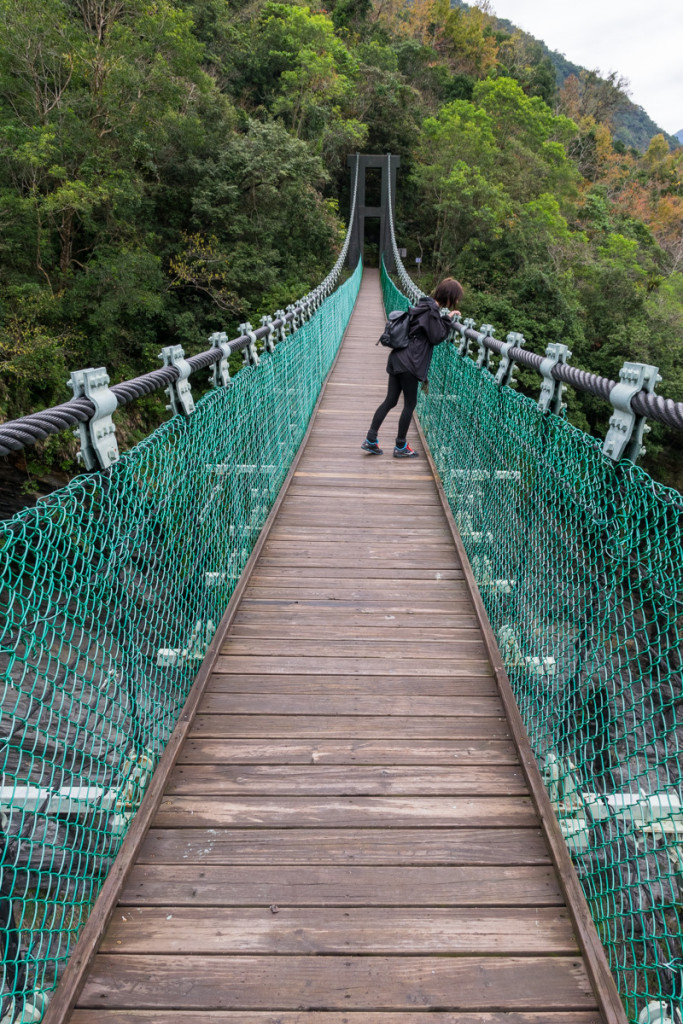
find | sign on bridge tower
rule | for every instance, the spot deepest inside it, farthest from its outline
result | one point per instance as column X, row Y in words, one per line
column 388, row 165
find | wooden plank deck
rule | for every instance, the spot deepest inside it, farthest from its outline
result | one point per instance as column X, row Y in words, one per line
column 348, row 835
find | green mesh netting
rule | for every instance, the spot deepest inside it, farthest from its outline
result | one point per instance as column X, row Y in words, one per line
column 579, row 563
column 114, row 587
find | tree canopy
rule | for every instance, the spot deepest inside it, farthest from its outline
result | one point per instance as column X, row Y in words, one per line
column 175, row 167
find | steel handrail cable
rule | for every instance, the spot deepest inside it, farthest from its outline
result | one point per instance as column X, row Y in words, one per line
column 28, row 430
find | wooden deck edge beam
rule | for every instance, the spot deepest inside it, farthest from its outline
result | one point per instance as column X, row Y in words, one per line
column 597, row 967
column 68, row 990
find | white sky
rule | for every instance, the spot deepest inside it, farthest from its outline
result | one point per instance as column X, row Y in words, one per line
column 643, row 42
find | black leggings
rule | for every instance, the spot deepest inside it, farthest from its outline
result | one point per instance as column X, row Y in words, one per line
column 398, row 382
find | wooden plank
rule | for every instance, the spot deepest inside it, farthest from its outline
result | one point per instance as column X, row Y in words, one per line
column 346, row 982
column 400, row 686
column 292, row 665
column 358, row 572
column 327, row 704
column 100, row 1016
column 389, row 628
column 389, row 752
column 321, row 885
column 396, row 931
column 345, row 727
column 344, row 812
column 346, row 780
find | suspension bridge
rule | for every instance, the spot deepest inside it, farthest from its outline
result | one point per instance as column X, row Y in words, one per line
column 292, row 734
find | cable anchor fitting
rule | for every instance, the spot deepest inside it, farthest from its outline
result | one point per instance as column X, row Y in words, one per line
column 464, row 347
column 99, row 447
column 626, row 428
column 484, row 357
column 179, row 391
column 249, row 353
column 506, row 367
column 550, row 399
column 268, row 343
column 295, row 312
column 220, row 372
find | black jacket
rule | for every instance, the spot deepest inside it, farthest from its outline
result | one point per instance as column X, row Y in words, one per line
column 427, row 329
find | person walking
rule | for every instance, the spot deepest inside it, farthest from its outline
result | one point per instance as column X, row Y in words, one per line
column 408, row 366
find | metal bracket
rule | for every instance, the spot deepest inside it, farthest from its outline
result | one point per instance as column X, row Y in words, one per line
column 220, row 375
column 484, row 357
column 464, row 346
column 268, row 343
column 626, row 428
column 180, row 390
column 282, row 329
column 550, row 399
column 507, row 364
column 99, row 447
column 295, row 311
column 249, row 353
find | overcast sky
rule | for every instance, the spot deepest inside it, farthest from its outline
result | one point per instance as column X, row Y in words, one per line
column 643, row 42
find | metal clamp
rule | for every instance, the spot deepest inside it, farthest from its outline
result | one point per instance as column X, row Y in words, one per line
column 249, row 353
column 464, row 347
column 220, row 375
column 268, row 343
column 296, row 312
column 626, row 428
column 550, row 399
column 282, row 329
column 484, row 357
column 507, row 364
column 99, row 447
column 180, row 390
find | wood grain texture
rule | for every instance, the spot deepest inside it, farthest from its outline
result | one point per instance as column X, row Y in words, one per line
column 338, row 982
column 332, row 885
column 396, row 931
column 303, row 846
column 345, row 780
column 100, row 1016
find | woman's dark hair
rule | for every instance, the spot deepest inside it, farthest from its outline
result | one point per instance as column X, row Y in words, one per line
column 448, row 293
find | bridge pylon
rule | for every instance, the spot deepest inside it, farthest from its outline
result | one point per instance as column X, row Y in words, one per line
column 388, row 164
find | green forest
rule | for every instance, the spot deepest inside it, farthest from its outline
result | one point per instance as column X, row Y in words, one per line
column 175, row 167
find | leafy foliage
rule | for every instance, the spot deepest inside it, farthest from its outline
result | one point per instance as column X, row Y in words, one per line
column 174, row 168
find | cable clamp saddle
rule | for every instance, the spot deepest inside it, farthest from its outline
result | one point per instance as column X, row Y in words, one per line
column 249, row 353
column 220, row 372
column 550, row 399
column 626, row 428
column 484, row 357
column 180, row 390
column 506, row 367
column 99, row 447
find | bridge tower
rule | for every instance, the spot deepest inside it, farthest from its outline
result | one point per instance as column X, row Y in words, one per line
column 363, row 211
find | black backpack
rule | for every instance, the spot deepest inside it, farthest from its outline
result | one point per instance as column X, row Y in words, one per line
column 396, row 331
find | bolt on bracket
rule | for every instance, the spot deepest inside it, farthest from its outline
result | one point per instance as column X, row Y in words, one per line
column 282, row 329
column 550, row 399
column 506, row 366
column 220, row 371
column 249, row 353
column 180, row 390
column 464, row 346
column 99, row 447
column 484, row 357
column 626, row 428
column 268, row 343
column 296, row 312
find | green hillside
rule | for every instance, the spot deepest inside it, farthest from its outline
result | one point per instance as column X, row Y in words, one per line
column 173, row 169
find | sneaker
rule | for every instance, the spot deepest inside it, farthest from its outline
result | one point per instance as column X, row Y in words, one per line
column 371, row 446
column 405, row 453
